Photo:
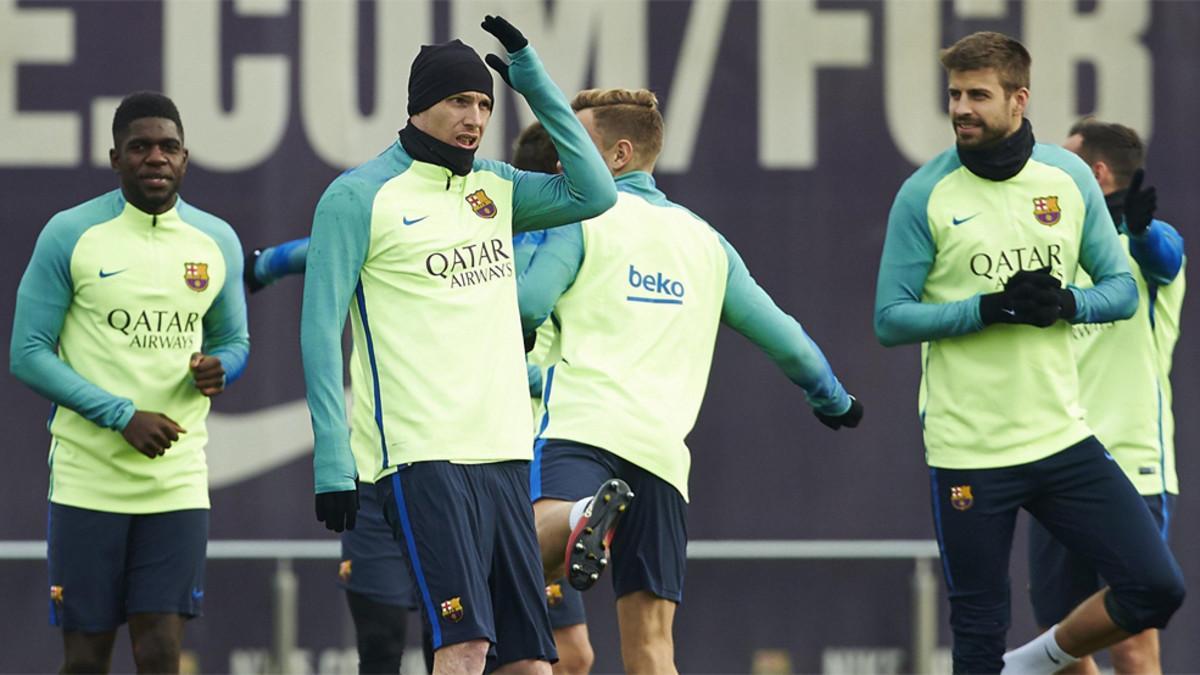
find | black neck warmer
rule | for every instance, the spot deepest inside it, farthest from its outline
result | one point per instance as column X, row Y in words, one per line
column 1002, row 160
column 1116, row 206
column 425, row 148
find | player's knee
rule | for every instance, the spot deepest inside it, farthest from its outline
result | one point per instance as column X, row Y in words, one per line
column 156, row 654
column 470, row 656
column 575, row 653
column 85, row 663
column 1149, row 605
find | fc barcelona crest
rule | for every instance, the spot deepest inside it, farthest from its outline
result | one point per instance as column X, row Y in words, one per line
column 56, row 595
column 481, row 204
column 554, row 595
column 961, row 498
column 452, row 610
column 1046, row 210
column 195, row 275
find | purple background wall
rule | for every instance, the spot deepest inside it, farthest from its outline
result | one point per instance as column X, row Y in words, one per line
column 791, row 123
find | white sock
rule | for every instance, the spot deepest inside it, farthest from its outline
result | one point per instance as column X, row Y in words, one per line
column 577, row 510
column 1039, row 656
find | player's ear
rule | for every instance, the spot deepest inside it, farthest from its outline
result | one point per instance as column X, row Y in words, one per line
column 113, row 155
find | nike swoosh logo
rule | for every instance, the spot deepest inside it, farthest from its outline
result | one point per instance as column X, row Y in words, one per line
column 414, row 221
column 1010, row 312
column 1049, row 655
column 105, row 275
column 960, row 221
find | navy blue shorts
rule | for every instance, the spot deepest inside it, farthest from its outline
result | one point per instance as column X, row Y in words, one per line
column 373, row 562
column 649, row 548
column 1081, row 495
column 472, row 550
column 565, row 605
column 105, row 566
column 1059, row 580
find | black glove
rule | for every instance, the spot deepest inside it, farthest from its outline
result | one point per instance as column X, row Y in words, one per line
column 1139, row 205
column 509, row 36
column 253, row 285
column 505, row 32
column 1035, row 298
column 530, row 341
column 850, row 418
column 338, row 510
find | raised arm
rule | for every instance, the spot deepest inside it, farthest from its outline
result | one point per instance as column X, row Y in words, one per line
column 750, row 311
column 1159, row 252
column 585, row 187
column 1114, row 295
column 336, row 252
column 45, row 293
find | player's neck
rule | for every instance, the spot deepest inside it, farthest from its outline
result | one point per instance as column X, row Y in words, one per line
column 425, row 148
column 1004, row 159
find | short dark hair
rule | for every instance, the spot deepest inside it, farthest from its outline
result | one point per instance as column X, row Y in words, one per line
column 1116, row 145
column 142, row 104
column 534, row 151
column 987, row 49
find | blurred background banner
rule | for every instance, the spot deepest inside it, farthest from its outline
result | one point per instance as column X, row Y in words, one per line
column 790, row 126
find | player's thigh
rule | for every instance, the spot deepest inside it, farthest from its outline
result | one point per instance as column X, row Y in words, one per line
column 1058, row 579
column 565, row 605
column 518, row 589
column 1090, row 506
column 568, row 471
column 166, row 563
column 436, row 512
column 649, row 547
column 974, row 516
column 86, row 554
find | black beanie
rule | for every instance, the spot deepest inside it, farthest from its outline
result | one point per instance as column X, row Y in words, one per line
column 443, row 70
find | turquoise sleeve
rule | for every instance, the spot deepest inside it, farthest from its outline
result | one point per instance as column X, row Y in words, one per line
column 908, row 253
column 750, row 311
column 1114, row 295
column 43, row 297
column 585, row 188
column 336, row 252
column 226, row 329
column 551, row 271
column 534, row 375
column 1158, row 252
column 280, row 261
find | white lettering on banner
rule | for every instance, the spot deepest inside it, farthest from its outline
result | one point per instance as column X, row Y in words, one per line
column 251, row 131
column 795, row 41
column 329, row 99
column 914, row 93
column 853, row 660
column 690, row 86
column 1057, row 35
column 35, row 138
column 572, row 34
column 1110, row 38
column 610, row 40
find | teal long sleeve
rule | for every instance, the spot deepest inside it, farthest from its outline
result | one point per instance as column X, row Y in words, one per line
column 336, row 252
column 749, row 310
column 585, row 187
column 552, row 269
column 908, row 253
column 43, row 297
